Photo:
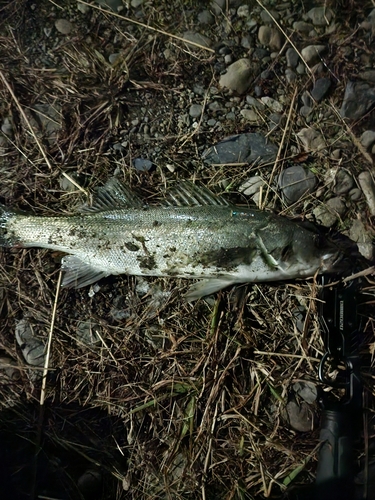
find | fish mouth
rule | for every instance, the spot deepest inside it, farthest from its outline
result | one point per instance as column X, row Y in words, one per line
column 344, row 257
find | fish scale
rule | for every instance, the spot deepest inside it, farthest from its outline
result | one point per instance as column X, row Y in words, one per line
column 215, row 242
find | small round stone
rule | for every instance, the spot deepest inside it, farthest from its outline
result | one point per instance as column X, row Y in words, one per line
column 63, row 26
column 195, row 110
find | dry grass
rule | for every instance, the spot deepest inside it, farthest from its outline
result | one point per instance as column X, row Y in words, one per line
column 176, row 400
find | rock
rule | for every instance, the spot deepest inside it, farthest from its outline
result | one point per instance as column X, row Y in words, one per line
column 292, row 57
column 243, row 148
column 275, row 119
column 299, row 416
column 311, row 54
column 358, row 233
column 217, row 6
column 305, row 111
column 266, row 18
column 238, row 76
column 320, row 16
column 306, row 390
column 355, row 194
column 115, row 5
column 196, row 38
column 63, row 26
column 272, row 104
column 9, row 367
column 368, row 75
column 142, row 165
column 112, row 58
column 306, row 99
column 7, row 127
column 254, row 103
column 250, row 115
column 251, row 185
column 327, row 214
column 311, row 139
column 367, row 185
column 84, row 9
column 295, row 182
column 88, row 333
column 205, row 17
column 290, row 75
column 359, row 97
column 320, row 89
column 195, row 110
column 343, row 182
column 246, row 42
column 270, row 37
column 243, row 11
column 367, row 138
column 32, row 348
column 302, row 26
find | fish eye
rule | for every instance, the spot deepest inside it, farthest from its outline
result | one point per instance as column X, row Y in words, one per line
column 320, row 241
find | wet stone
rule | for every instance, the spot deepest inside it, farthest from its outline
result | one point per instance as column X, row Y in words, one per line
column 320, row 16
column 290, row 75
column 295, row 182
column 142, row 164
column 270, row 37
column 302, row 26
column 320, row 89
column 251, row 185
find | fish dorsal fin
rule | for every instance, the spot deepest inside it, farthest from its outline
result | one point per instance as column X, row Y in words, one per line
column 113, row 195
column 185, row 194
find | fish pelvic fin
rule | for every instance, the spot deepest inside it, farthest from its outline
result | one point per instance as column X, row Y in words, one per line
column 5, row 215
column 207, row 287
column 78, row 274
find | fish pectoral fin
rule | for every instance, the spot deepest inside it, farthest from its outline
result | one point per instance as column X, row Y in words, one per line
column 207, row 287
column 78, row 274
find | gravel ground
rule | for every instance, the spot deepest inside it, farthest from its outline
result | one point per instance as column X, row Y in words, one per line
column 167, row 399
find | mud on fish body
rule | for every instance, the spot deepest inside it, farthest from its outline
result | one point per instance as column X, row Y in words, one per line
column 192, row 235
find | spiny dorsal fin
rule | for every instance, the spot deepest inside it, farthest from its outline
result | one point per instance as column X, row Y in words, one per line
column 185, row 194
column 113, row 195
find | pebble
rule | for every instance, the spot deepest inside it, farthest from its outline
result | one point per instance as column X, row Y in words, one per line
column 217, row 6
column 84, row 9
column 343, row 182
column 306, row 99
column 327, row 214
column 301, row 69
column 115, row 5
column 302, row 26
column 292, row 57
column 320, row 16
column 196, row 38
column 142, row 165
column 311, row 139
column 272, row 104
column 320, row 89
column 290, row 75
column 299, row 416
column 306, row 390
column 32, row 348
column 359, row 97
column 250, row 115
column 358, row 233
column 112, row 58
column 243, row 11
column 251, row 186
column 195, row 110
column 205, row 17
column 367, row 185
column 254, row 102
column 63, row 26
column 242, row 148
column 238, row 76
column 295, row 182
column 266, row 18
column 7, row 127
column 246, row 42
column 270, row 37
column 367, row 138
column 355, row 194
column 305, row 111
column 88, row 332
column 311, row 54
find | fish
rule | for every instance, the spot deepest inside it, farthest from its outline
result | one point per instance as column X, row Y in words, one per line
column 192, row 234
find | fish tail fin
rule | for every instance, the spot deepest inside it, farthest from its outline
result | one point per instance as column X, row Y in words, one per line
column 5, row 215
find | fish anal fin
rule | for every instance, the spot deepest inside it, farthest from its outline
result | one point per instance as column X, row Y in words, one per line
column 78, row 274
column 207, row 287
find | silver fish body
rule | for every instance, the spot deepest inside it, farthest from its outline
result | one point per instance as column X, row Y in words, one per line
column 218, row 243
